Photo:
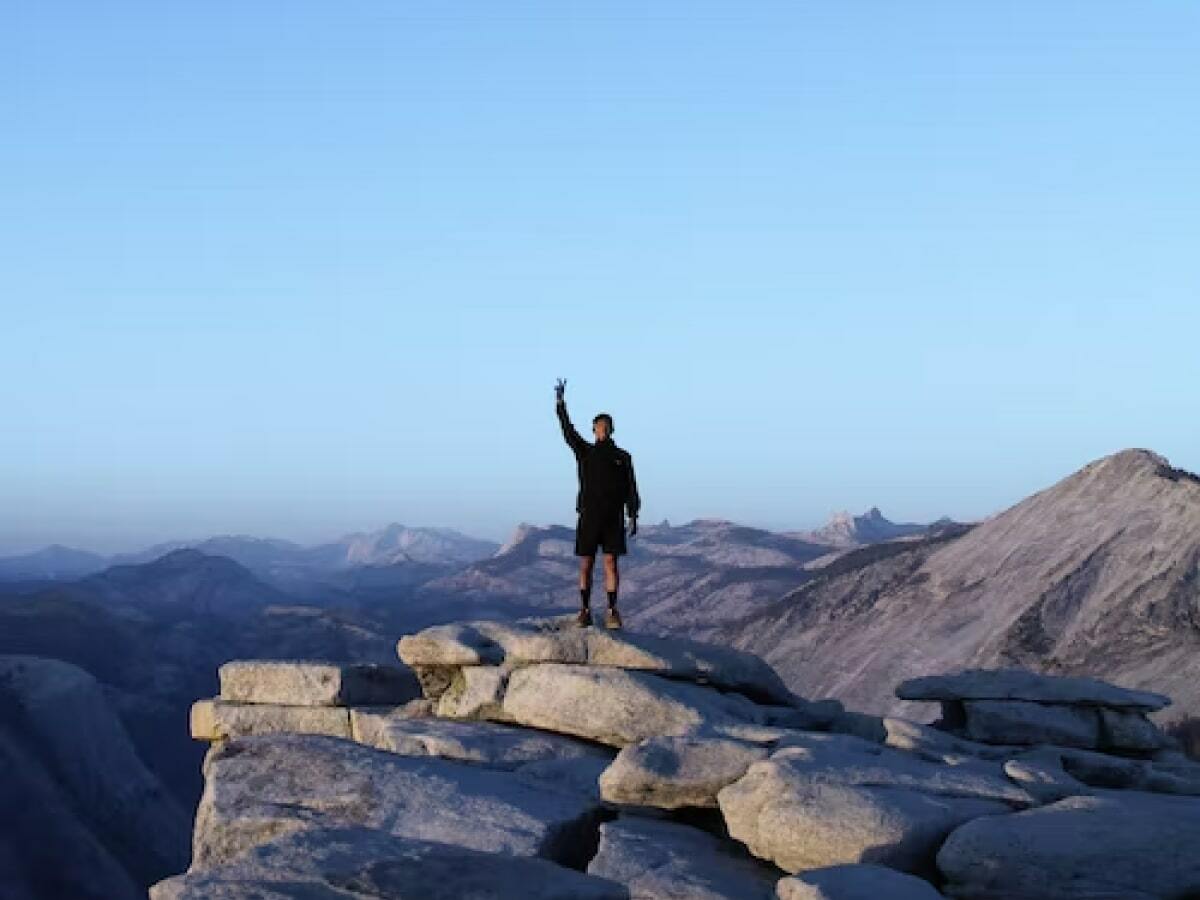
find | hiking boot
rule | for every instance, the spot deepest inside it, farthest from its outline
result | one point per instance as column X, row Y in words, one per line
column 584, row 619
column 612, row 619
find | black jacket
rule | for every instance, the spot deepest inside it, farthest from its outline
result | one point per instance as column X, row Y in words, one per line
column 606, row 481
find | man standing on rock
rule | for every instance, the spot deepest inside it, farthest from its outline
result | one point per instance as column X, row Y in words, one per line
column 606, row 488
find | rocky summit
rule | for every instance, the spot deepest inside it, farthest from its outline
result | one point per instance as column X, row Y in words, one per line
column 534, row 759
column 1096, row 574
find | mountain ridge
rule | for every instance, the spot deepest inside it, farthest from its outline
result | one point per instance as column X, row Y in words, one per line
column 1097, row 572
column 285, row 564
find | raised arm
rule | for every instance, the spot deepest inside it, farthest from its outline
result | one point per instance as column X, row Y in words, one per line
column 573, row 438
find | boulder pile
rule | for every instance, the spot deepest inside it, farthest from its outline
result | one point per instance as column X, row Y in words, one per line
column 544, row 760
column 1015, row 706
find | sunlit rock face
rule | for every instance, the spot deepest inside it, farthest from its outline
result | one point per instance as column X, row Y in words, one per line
column 629, row 765
column 1095, row 575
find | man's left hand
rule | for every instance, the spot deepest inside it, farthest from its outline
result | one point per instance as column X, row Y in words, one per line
column 632, row 525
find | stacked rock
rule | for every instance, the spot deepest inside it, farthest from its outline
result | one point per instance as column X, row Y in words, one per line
column 1088, row 751
column 613, row 688
column 699, row 726
column 300, row 697
column 1018, row 707
column 1059, row 736
column 544, row 760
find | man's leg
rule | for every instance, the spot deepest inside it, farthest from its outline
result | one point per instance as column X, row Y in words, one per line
column 586, row 566
column 612, row 577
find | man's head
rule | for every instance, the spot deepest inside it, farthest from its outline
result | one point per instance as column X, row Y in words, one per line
column 602, row 426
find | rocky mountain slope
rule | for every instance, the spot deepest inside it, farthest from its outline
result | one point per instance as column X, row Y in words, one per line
column 549, row 761
column 1099, row 573
column 83, row 817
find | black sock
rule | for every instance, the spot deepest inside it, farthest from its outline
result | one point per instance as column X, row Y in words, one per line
column 585, row 597
column 612, row 599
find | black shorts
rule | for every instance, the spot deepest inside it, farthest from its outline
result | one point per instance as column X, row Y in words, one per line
column 600, row 529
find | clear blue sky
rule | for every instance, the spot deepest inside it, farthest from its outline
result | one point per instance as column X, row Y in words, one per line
column 299, row 268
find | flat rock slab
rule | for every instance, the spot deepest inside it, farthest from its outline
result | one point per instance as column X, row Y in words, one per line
column 560, row 641
column 258, row 788
column 659, row 860
column 214, row 720
column 351, row 863
column 1021, row 684
column 844, row 800
column 849, row 760
column 855, row 882
column 486, row 743
column 1114, row 844
column 306, row 683
column 674, row 772
column 1026, row 722
column 616, row 706
column 722, row 667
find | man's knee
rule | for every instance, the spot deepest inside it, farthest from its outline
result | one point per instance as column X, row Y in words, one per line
column 610, row 561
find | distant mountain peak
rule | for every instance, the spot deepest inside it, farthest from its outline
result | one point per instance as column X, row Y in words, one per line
column 844, row 530
column 185, row 561
column 520, row 534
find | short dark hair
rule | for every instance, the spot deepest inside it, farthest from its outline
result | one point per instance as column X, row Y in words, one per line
column 606, row 417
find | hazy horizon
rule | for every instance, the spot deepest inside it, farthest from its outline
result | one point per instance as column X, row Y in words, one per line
column 319, row 537
column 501, row 536
column 297, row 272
